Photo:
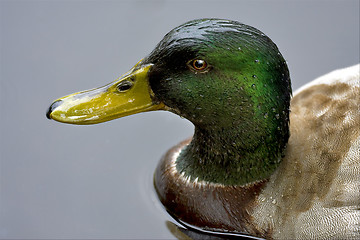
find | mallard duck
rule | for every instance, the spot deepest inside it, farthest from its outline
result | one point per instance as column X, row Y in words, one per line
column 245, row 170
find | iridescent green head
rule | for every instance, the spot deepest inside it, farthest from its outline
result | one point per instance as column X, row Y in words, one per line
column 243, row 77
column 228, row 78
column 231, row 81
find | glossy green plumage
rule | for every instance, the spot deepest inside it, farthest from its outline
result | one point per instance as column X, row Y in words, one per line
column 239, row 106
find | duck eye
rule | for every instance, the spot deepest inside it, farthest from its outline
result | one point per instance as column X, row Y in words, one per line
column 198, row 64
column 124, row 86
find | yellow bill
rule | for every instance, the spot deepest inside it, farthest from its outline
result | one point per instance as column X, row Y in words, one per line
column 125, row 96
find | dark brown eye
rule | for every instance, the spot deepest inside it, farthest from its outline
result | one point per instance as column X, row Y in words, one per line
column 199, row 64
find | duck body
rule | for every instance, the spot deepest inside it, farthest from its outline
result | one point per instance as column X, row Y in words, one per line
column 314, row 193
column 240, row 172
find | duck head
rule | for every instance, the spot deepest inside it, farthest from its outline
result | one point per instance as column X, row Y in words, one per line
column 227, row 78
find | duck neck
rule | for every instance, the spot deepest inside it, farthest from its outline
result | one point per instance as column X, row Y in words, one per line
column 229, row 156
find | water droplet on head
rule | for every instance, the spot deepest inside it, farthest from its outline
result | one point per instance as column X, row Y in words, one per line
column 253, row 86
column 257, row 61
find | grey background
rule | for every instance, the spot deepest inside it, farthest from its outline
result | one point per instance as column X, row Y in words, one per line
column 64, row 181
